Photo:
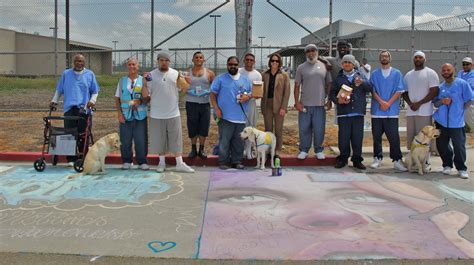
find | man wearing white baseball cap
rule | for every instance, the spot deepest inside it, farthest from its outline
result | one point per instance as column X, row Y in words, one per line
column 467, row 74
column 422, row 86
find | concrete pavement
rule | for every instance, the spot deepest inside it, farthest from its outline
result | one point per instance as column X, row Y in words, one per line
column 309, row 213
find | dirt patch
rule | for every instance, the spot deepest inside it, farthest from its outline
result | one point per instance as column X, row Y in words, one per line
column 23, row 131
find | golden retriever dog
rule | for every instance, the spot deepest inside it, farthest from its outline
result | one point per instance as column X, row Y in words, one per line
column 264, row 142
column 420, row 149
column 94, row 163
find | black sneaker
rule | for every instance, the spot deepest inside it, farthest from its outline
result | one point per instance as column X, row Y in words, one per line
column 359, row 165
column 238, row 166
column 193, row 153
column 340, row 164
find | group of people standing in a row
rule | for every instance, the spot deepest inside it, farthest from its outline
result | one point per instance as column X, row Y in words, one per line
column 318, row 83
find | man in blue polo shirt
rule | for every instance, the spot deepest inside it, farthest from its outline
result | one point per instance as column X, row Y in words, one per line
column 454, row 96
column 467, row 74
column 80, row 89
column 229, row 95
column 388, row 85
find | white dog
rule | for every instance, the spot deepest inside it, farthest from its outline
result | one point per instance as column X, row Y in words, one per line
column 264, row 142
column 420, row 149
column 94, row 163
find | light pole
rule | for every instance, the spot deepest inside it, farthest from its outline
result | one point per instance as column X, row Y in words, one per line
column 215, row 41
column 115, row 54
column 261, row 51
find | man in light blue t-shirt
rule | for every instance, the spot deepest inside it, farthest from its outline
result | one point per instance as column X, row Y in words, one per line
column 230, row 93
column 80, row 89
column 467, row 74
column 388, row 85
column 454, row 96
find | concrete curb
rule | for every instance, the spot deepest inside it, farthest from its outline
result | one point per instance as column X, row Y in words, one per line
column 286, row 160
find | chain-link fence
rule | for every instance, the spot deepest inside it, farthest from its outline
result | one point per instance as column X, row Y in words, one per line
column 110, row 31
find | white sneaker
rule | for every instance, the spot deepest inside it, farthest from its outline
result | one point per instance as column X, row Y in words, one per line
column 302, row 155
column 70, row 164
column 377, row 163
column 398, row 165
column 161, row 168
column 144, row 167
column 447, row 170
column 463, row 174
column 184, row 168
column 320, row 156
column 126, row 166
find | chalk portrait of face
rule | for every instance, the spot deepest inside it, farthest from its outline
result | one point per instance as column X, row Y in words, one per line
column 303, row 216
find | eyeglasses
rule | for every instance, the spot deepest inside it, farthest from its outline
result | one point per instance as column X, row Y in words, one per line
column 274, row 61
column 249, row 60
column 466, row 64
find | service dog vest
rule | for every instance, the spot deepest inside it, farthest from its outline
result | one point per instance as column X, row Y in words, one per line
column 126, row 96
column 266, row 141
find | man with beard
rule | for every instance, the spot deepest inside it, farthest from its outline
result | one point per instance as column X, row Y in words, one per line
column 198, row 110
column 314, row 82
column 165, row 123
column 342, row 48
column 230, row 93
column 422, row 86
column 80, row 89
column 454, row 96
column 387, row 84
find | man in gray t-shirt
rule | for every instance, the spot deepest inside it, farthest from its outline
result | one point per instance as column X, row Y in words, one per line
column 314, row 82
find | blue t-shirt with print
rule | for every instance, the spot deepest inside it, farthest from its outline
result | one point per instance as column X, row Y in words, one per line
column 227, row 90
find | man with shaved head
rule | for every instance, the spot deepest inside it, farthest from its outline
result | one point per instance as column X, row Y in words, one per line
column 454, row 96
column 80, row 89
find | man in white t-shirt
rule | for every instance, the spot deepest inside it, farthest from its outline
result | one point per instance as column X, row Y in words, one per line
column 422, row 86
column 253, row 75
column 365, row 68
column 165, row 123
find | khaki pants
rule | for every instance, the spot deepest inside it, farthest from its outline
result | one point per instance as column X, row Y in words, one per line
column 273, row 120
column 414, row 126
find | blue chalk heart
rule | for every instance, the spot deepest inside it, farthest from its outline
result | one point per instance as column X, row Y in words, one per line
column 158, row 246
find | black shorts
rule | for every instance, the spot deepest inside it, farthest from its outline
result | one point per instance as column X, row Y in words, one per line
column 198, row 119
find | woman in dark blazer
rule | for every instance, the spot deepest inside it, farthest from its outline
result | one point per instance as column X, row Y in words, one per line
column 276, row 93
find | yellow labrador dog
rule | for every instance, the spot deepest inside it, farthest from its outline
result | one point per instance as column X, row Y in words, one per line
column 94, row 163
column 420, row 149
column 264, row 142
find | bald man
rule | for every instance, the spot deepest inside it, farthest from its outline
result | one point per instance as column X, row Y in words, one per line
column 80, row 89
column 454, row 96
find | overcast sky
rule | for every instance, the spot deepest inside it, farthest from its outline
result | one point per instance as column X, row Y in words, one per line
column 128, row 21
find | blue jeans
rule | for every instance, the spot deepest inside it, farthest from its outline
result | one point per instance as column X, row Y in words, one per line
column 312, row 124
column 230, row 143
column 135, row 131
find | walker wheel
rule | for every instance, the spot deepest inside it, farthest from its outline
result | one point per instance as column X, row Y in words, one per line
column 39, row 165
column 79, row 165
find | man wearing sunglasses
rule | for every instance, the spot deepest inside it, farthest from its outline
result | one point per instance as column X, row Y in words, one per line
column 230, row 93
column 467, row 74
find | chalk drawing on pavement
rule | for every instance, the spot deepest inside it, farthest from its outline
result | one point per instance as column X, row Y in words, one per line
column 24, row 188
column 159, row 246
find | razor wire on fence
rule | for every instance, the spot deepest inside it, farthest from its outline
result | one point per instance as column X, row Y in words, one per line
column 109, row 32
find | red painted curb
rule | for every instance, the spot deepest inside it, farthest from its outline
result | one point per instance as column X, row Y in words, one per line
column 286, row 160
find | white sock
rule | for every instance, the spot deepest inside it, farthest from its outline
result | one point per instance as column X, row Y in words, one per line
column 162, row 160
column 179, row 160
